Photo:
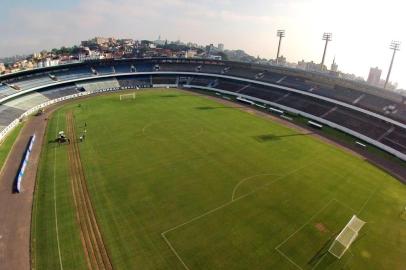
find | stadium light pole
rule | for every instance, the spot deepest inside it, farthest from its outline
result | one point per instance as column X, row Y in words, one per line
column 280, row 34
column 395, row 46
column 327, row 37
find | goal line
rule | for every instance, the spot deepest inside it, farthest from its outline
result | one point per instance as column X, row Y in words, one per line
column 346, row 237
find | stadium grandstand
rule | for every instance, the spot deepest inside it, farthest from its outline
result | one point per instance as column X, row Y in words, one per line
column 373, row 116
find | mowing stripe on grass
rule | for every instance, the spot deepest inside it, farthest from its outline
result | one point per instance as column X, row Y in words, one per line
column 55, row 207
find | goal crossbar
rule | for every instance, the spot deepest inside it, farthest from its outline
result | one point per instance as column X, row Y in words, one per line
column 127, row 96
column 346, row 237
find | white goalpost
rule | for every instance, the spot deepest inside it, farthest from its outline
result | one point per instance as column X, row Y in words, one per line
column 346, row 237
column 127, row 96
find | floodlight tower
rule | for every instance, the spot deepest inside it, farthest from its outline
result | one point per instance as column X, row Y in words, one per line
column 395, row 46
column 280, row 34
column 327, row 37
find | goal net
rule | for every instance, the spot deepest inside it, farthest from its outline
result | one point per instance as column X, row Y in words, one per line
column 127, row 96
column 346, row 237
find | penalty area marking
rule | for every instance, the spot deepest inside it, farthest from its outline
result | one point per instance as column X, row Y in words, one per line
column 315, row 215
column 299, row 229
column 163, row 234
column 174, row 251
column 368, row 199
column 248, row 178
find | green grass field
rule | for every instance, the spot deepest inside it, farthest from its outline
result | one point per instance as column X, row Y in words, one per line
column 7, row 144
column 180, row 181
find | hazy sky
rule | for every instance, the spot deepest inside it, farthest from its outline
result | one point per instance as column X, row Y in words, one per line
column 362, row 29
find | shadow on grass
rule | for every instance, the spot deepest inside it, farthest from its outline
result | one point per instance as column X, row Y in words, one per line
column 205, row 108
column 169, row 96
column 176, row 95
column 330, row 259
column 321, row 252
column 271, row 137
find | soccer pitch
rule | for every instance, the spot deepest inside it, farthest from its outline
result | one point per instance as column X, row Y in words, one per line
column 180, row 181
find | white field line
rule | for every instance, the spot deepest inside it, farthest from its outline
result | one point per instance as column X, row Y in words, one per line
column 174, row 251
column 248, row 178
column 55, row 208
column 318, row 212
column 237, row 199
column 362, row 207
column 367, row 200
column 346, row 206
column 325, row 255
column 352, row 255
column 287, row 258
column 365, row 203
column 220, row 207
column 146, row 126
column 299, row 229
column 321, row 259
column 307, row 222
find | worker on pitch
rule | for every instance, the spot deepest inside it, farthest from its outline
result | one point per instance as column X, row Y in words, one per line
column 83, row 136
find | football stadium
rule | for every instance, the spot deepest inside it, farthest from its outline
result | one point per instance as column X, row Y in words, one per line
column 200, row 164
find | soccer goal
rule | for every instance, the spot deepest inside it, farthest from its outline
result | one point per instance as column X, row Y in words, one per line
column 127, row 96
column 346, row 237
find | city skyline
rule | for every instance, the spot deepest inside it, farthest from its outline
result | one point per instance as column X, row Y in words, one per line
column 360, row 39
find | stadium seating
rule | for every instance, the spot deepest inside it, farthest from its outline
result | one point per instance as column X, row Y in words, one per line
column 8, row 114
column 377, row 104
column 208, row 68
column 294, row 82
column 28, row 82
column 122, row 68
column 26, row 102
column 271, row 77
column 103, row 70
column 201, row 81
column 73, row 73
column 359, row 122
column 229, row 85
column 99, row 84
column 342, row 94
column 306, row 104
column 6, row 91
column 60, row 92
column 144, row 67
column 178, row 67
column 243, row 72
column 266, row 93
column 129, row 82
column 389, row 105
column 396, row 139
column 164, row 79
